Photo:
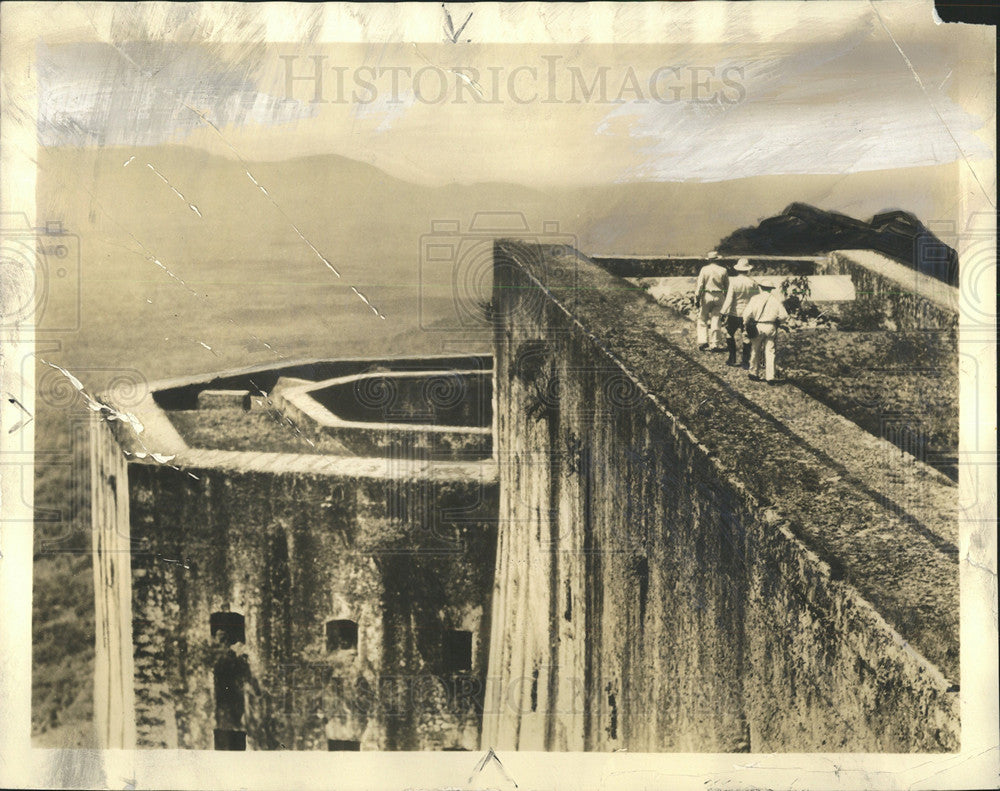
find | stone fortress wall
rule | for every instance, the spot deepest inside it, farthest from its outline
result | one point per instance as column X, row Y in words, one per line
column 686, row 565
column 602, row 544
column 268, row 599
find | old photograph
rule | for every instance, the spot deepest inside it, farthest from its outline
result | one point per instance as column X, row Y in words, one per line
column 523, row 381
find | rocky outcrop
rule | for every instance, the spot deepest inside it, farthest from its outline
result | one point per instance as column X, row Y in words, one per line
column 802, row 229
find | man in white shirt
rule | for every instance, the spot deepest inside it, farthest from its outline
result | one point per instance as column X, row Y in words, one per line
column 767, row 312
column 709, row 291
column 741, row 288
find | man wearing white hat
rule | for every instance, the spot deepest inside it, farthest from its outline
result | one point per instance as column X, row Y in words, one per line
column 709, row 291
column 763, row 315
column 741, row 289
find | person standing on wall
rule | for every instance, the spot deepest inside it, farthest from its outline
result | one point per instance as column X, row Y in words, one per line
column 763, row 315
column 741, row 289
column 709, row 291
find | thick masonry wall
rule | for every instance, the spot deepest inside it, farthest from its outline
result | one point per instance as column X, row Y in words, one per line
column 675, row 571
column 826, row 669
column 911, row 300
column 114, row 718
column 290, row 552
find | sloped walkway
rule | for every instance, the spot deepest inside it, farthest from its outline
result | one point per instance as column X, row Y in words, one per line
column 913, row 488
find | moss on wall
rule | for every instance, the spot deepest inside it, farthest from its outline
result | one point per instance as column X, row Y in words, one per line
column 724, row 580
column 405, row 560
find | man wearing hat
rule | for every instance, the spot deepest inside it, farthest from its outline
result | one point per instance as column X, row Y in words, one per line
column 709, row 291
column 766, row 311
column 741, row 289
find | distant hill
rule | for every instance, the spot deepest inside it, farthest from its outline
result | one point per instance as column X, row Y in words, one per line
column 802, row 229
column 243, row 270
column 365, row 218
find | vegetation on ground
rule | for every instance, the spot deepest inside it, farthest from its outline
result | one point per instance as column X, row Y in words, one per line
column 900, row 386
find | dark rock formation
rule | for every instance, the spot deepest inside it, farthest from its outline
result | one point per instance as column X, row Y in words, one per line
column 802, row 229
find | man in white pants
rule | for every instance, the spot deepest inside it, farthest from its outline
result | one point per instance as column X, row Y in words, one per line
column 709, row 292
column 741, row 289
column 767, row 312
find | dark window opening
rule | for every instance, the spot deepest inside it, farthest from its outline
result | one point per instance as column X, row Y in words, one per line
column 613, row 724
column 456, row 651
column 341, row 635
column 227, row 627
column 343, row 744
column 230, row 740
column 229, row 674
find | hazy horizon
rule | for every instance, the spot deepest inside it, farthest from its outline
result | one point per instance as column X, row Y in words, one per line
column 777, row 102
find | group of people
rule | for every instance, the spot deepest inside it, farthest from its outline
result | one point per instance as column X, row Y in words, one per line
column 751, row 309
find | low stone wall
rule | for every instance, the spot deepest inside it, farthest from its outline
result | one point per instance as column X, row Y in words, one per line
column 442, row 398
column 675, row 570
column 183, row 393
column 688, row 266
column 911, row 300
column 827, row 290
column 314, row 417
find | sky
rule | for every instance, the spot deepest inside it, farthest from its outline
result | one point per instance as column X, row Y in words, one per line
column 837, row 89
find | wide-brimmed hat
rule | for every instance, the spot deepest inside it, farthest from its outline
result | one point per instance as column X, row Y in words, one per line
column 743, row 265
column 712, row 254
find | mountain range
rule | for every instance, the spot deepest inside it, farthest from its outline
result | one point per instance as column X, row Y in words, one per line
column 183, row 249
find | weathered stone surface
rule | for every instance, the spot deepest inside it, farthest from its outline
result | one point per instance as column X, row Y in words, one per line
column 911, row 300
column 209, row 399
column 682, row 563
column 402, row 546
column 114, row 718
column 291, row 552
column 677, row 569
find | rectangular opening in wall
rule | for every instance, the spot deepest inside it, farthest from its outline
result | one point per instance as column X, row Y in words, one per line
column 227, row 627
column 230, row 703
column 343, row 744
column 341, row 635
column 456, row 651
column 230, row 740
